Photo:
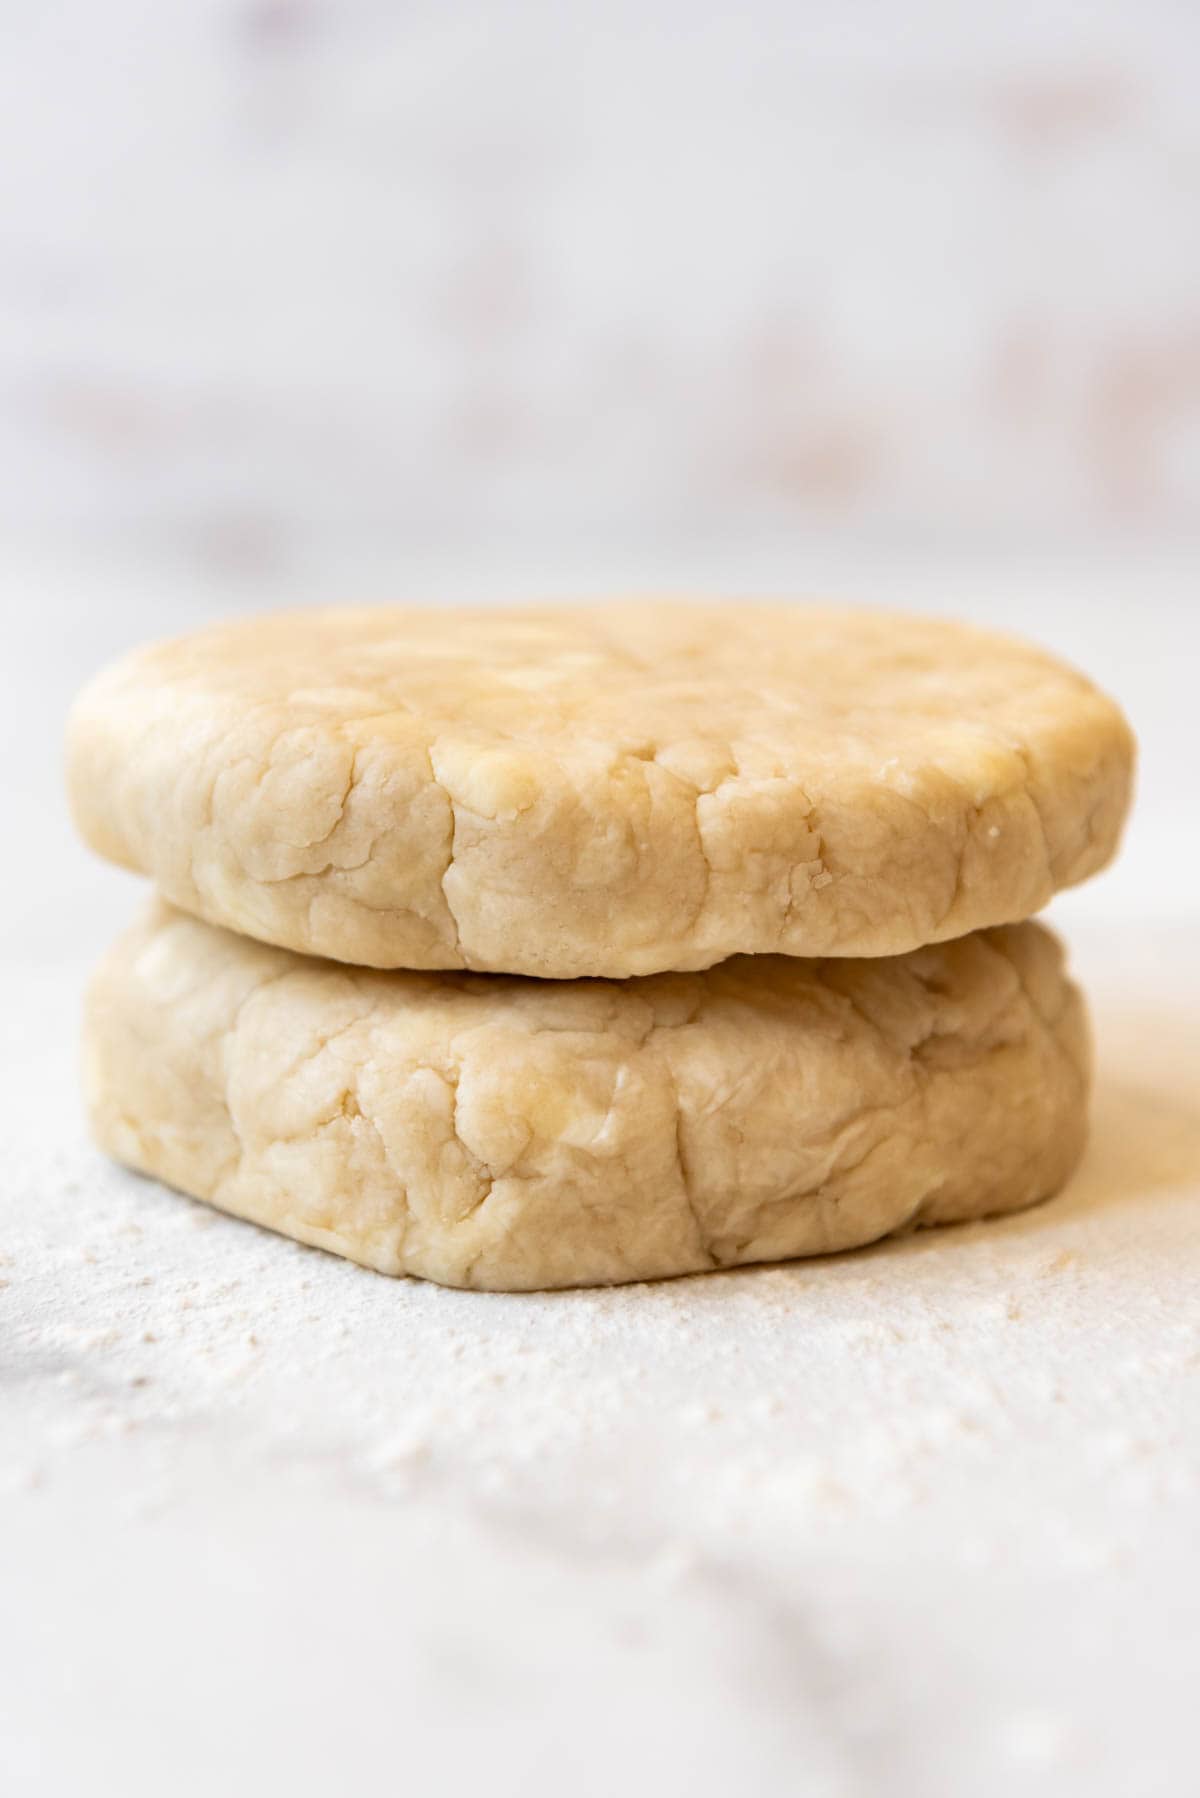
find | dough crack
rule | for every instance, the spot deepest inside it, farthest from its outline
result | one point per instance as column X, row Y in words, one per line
column 448, row 858
column 686, row 1186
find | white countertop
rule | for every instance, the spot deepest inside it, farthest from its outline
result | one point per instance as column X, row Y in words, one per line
column 921, row 1519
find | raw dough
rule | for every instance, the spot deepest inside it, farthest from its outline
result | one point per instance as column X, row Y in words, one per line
column 610, row 791
column 506, row 1133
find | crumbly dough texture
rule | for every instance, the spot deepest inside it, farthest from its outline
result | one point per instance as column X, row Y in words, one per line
column 606, row 791
column 513, row 1134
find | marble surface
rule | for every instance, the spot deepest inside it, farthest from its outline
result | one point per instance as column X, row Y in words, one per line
column 920, row 1520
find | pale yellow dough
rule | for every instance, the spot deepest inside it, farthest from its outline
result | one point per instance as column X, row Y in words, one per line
column 514, row 1134
column 609, row 791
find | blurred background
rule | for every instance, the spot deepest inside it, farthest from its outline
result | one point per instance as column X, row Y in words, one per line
column 349, row 280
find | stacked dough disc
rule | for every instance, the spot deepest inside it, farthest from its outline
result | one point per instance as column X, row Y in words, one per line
column 651, row 938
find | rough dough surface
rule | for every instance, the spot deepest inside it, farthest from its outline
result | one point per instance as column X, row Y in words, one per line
column 605, row 791
column 512, row 1134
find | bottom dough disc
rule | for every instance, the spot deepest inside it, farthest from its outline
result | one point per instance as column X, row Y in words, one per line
column 513, row 1134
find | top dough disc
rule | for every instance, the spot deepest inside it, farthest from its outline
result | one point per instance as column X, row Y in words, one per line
column 613, row 790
